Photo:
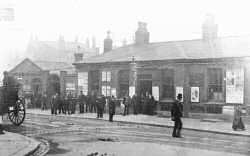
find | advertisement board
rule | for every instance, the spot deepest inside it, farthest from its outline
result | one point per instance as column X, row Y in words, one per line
column 131, row 91
column 195, row 94
column 155, row 92
column 235, row 85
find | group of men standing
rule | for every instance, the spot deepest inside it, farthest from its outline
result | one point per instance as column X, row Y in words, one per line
column 67, row 105
column 140, row 104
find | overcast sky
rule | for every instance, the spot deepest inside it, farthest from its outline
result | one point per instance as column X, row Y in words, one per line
column 167, row 20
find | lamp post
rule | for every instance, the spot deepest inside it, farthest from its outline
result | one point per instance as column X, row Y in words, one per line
column 132, row 77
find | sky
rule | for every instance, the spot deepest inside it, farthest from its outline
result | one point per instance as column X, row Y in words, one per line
column 167, row 20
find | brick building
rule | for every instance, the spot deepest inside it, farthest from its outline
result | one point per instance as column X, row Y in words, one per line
column 211, row 72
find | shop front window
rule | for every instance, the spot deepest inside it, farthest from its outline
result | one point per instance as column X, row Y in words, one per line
column 215, row 84
column 168, row 83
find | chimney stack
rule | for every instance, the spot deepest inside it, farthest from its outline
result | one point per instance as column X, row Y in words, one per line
column 209, row 28
column 142, row 34
column 108, row 43
column 78, row 55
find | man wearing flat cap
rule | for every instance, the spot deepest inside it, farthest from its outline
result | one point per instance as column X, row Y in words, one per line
column 176, row 114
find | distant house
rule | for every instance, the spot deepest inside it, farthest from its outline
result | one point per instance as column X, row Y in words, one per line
column 211, row 72
column 59, row 51
column 37, row 77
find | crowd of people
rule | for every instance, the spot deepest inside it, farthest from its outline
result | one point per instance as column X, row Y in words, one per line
column 97, row 103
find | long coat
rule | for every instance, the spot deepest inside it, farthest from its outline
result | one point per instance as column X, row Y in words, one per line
column 176, row 110
column 112, row 106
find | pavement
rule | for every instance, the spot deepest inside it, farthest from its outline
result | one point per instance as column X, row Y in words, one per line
column 13, row 144
column 204, row 124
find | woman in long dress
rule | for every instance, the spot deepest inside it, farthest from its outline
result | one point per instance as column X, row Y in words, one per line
column 237, row 122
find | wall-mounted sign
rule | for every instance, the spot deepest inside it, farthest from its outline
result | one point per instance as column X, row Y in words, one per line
column 155, row 92
column 194, row 94
column 179, row 90
column 235, row 85
column 83, row 82
column 131, row 91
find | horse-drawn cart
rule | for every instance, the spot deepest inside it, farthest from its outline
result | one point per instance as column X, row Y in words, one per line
column 12, row 105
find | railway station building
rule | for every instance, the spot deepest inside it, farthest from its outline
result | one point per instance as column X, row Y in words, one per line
column 212, row 72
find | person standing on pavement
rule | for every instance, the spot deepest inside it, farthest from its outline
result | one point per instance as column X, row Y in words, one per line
column 98, row 106
column 44, row 101
column 111, row 103
column 126, row 101
column 103, row 102
column 54, row 104
column 81, row 101
column 70, row 103
column 151, row 107
column 146, row 104
column 237, row 122
column 134, row 102
column 176, row 114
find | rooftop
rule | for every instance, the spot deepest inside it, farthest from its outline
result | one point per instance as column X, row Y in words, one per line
column 223, row 47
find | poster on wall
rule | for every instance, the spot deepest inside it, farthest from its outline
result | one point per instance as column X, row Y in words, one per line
column 155, row 92
column 235, row 86
column 113, row 92
column 83, row 82
column 179, row 90
column 131, row 91
column 194, row 94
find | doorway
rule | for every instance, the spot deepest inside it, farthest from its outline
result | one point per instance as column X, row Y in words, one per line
column 145, row 86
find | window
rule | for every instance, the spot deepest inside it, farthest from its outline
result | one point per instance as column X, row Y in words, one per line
column 215, row 84
column 106, row 78
column 168, row 83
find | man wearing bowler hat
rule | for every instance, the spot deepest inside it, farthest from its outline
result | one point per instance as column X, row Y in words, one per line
column 176, row 114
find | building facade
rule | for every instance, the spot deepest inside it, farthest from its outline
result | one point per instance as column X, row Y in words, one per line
column 211, row 72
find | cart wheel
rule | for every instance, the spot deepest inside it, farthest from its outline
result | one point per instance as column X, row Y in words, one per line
column 16, row 113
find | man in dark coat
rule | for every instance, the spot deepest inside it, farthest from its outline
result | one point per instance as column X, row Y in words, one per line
column 82, row 102
column 70, row 103
column 55, row 103
column 176, row 114
column 112, row 102
column 135, row 103
column 100, row 105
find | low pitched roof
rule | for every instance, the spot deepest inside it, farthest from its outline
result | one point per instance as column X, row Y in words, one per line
column 53, row 66
column 28, row 66
column 174, row 50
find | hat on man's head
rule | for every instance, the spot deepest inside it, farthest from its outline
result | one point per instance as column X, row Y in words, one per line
column 179, row 96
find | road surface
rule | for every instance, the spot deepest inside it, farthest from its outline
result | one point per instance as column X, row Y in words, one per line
column 65, row 135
